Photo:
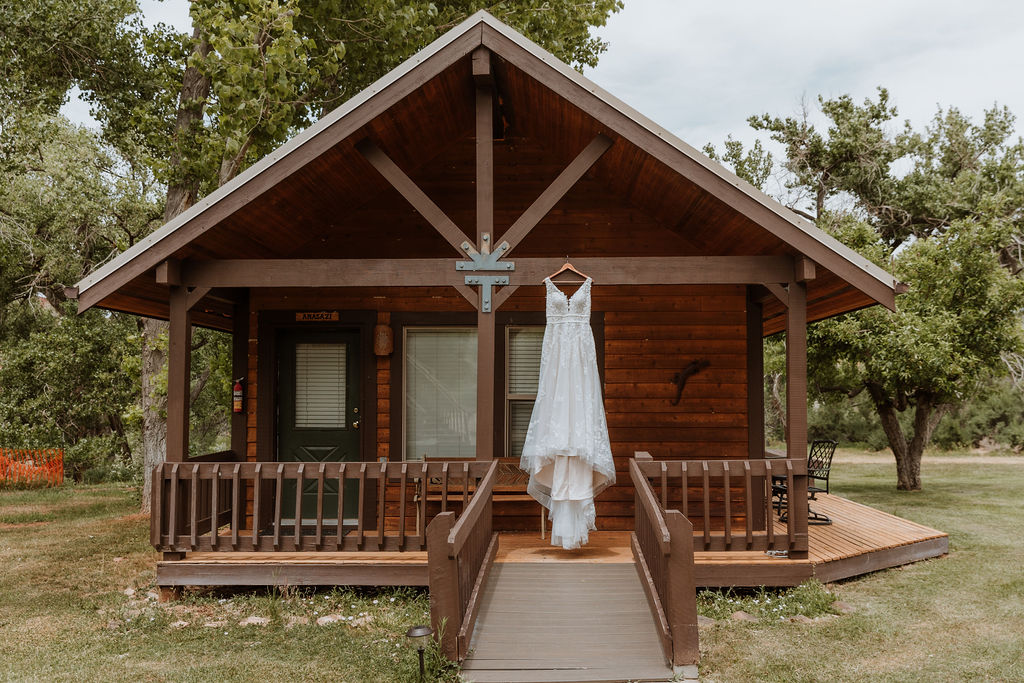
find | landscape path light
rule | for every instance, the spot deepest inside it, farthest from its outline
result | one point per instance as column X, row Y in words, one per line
column 418, row 636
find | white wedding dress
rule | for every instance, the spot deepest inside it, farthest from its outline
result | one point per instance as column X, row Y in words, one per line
column 567, row 452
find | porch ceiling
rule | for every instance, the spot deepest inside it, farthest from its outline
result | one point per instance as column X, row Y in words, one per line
column 325, row 200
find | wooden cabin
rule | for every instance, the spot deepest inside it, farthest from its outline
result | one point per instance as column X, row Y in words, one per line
column 381, row 275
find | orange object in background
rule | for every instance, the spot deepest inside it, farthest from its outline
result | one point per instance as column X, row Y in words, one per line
column 32, row 467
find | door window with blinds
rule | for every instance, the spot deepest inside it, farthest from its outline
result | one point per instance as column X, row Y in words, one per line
column 440, row 393
column 522, row 372
column 320, row 385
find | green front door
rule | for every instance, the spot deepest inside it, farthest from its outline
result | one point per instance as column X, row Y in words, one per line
column 318, row 413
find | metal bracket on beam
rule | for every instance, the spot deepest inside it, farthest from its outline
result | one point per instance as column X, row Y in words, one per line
column 486, row 282
column 485, row 261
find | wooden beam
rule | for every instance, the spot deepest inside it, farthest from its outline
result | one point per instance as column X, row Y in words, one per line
column 556, row 190
column 169, row 272
column 502, row 295
column 803, row 269
column 653, row 270
column 412, row 193
column 195, row 295
column 484, row 151
column 179, row 359
column 779, row 292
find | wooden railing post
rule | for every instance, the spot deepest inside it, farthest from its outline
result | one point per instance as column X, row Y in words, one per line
column 443, row 580
column 797, row 517
column 156, row 512
column 681, row 590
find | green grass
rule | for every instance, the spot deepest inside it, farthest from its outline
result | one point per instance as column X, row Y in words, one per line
column 956, row 618
column 67, row 555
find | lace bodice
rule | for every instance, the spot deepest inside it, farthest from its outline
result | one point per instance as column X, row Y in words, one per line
column 562, row 308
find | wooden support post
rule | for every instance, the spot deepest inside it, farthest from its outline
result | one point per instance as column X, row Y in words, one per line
column 484, row 229
column 755, row 402
column 443, row 579
column 796, row 393
column 239, row 369
column 179, row 354
column 485, row 366
column 681, row 590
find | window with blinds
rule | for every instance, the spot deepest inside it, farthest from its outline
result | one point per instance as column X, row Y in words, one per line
column 440, row 393
column 320, row 386
column 523, row 346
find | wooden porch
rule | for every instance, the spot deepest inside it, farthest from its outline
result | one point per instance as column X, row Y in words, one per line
column 860, row 540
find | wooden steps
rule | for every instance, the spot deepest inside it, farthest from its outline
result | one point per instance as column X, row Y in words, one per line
column 562, row 621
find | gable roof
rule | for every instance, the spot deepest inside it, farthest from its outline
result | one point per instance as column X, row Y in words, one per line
column 871, row 283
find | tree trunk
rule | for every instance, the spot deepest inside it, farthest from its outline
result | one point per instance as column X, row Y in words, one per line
column 181, row 194
column 927, row 415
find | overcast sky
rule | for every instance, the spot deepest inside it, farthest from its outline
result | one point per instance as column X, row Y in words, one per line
column 701, row 68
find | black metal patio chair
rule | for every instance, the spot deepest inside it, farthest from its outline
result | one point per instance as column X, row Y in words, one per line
column 819, row 464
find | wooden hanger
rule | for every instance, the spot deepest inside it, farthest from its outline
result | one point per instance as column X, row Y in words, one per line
column 569, row 267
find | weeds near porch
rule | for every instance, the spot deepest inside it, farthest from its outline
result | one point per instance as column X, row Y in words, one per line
column 810, row 599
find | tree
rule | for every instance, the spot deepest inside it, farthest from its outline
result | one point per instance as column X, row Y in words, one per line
column 941, row 209
column 947, row 335
column 67, row 203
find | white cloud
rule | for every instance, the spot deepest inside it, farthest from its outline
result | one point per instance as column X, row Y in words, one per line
column 701, row 69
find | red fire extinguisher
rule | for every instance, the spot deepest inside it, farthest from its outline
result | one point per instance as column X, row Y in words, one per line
column 236, row 397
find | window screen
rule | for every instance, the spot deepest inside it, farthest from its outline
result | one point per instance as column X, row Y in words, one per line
column 320, row 386
column 440, row 393
column 524, row 349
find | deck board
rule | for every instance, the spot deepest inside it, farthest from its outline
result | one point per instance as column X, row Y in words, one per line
column 558, row 621
column 861, row 539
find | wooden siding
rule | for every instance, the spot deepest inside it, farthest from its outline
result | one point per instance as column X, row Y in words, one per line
column 650, row 333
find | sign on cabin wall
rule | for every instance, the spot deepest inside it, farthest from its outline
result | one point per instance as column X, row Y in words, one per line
column 316, row 316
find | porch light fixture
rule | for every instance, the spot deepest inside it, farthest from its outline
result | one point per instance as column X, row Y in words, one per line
column 418, row 637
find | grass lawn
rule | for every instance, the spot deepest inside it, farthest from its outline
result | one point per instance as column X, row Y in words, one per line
column 956, row 618
column 68, row 555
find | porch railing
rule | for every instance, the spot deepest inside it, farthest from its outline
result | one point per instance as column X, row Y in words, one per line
column 664, row 558
column 460, row 553
column 214, row 503
column 723, row 498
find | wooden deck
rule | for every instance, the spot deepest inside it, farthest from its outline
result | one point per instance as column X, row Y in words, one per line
column 861, row 540
column 565, row 622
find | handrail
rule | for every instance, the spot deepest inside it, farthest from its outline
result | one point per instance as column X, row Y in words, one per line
column 662, row 544
column 645, row 497
column 204, row 505
column 729, row 501
column 460, row 553
column 460, row 533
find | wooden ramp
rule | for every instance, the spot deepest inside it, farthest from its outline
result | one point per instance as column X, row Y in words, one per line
column 565, row 621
